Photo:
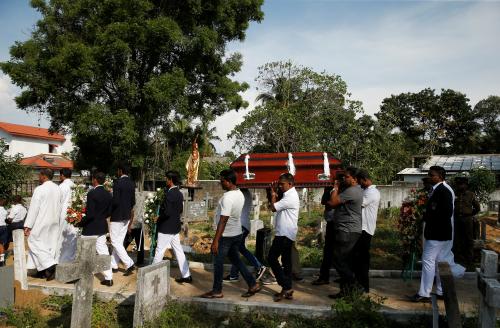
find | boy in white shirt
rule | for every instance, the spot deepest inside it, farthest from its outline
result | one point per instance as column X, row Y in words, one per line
column 228, row 236
column 17, row 214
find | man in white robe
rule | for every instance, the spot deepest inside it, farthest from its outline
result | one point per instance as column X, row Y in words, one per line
column 69, row 234
column 42, row 226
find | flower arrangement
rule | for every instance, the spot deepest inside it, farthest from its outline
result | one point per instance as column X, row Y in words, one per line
column 108, row 184
column 151, row 209
column 77, row 209
column 410, row 222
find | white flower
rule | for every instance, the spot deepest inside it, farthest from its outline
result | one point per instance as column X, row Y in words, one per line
column 147, row 221
column 146, row 215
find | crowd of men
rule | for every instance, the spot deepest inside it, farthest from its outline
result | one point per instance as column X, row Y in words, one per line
column 351, row 207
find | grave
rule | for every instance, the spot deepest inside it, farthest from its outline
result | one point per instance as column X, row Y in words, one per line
column 489, row 289
column 82, row 270
column 195, row 211
column 255, row 225
column 20, row 271
column 6, row 286
column 153, row 289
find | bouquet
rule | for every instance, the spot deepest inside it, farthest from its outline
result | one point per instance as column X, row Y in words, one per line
column 108, row 184
column 77, row 209
column 410, row 222
column 151, row 211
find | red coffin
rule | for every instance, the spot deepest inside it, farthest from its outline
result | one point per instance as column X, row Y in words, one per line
column 265, row 168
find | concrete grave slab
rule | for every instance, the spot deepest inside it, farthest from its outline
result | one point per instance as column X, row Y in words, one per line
column 6, row 286
column 153, row 290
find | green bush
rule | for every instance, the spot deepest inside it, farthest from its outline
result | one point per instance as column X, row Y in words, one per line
column 482, row 183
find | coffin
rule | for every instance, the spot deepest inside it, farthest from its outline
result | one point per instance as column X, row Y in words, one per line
column 259, row 170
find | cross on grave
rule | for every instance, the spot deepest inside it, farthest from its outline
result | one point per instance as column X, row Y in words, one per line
column 20, row 271
column 489, row 289
column 155, row 283
column 86, row 263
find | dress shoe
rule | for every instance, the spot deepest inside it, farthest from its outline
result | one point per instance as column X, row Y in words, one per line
column 288, row 294
column 419, row 299
column 252, row 291
column 129, row 271
column 50, row 273
column 181, row 280
column 108, row 283
column 320, row 281
column 114, row 270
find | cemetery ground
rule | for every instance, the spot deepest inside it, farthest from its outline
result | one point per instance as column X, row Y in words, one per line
column 113, row 306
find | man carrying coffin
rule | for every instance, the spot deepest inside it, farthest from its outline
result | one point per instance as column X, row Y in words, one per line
column 42, row 226
column 95, row 223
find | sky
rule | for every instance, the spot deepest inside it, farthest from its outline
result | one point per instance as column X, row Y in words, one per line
column 379, row 48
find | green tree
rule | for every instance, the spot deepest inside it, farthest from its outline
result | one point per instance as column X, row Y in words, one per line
column 11, row 171
column 437, row 123
column 488, row 116
column 482, row 183
column 115, row 71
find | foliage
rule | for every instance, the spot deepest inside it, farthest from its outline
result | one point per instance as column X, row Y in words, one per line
column 211, row 170
column 359, row 310
column 335, row 123
column 152, row 209
column 488, row 113
column 25, row 317
column 482, row 183
column 443, row 123
column 114, row 72
column 11, row 171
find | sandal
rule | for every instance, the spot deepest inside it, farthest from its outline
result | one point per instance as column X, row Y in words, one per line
column 211, row 294
column 283, row 294
column 252, row 291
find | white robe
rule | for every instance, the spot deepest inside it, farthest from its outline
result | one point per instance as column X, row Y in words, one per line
column 68, row 234
column 44, row 220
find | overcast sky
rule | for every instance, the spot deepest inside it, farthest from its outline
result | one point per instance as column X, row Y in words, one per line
column 378, row 47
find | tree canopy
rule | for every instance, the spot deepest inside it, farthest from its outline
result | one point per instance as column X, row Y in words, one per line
column 113, row 72
column 11, row 171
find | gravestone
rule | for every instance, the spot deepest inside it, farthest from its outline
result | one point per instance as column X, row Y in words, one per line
column 489, row 289
column 255, row 225
column 20, row 270
column 256, row 203
column 195, row 211
column 153, row 289
column 6, row 286
column 86, row 263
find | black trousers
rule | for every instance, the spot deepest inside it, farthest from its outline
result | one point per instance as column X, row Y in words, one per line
column 463, row 241
column 361, row 260
column 342, row 257
column 136, row 235
column 326, row 263
column 282, row 246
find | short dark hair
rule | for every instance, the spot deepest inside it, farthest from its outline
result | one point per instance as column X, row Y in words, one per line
column 353, row 172
column 65, row 172
column 17, row 199
column 100, row 177
column 363, row 175
column 439, row 170
column 228, row 175
column 48, row 173
column 124, row 167
column 174, row 176
column 287, row 177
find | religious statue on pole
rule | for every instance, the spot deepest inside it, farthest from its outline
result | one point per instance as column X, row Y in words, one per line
column 192, row 166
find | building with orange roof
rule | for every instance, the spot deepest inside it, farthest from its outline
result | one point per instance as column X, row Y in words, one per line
column 30, row 141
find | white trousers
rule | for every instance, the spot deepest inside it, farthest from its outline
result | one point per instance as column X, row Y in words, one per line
column 434, row 251
column 174, row 242
column 117, row 232
column 102, row 249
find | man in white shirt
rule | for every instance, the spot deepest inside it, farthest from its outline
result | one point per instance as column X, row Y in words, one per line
column 369, row 211
column 245, row 226
column 228, row 236
column 69, row 234
column 287, row 215
column 42, row 226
